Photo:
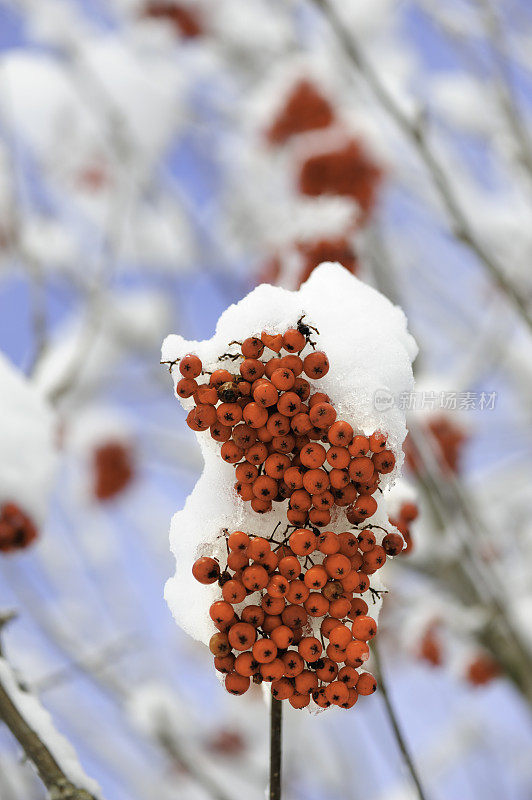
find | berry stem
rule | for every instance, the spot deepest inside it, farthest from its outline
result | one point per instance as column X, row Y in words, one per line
column 276, row 718
column 401, row 742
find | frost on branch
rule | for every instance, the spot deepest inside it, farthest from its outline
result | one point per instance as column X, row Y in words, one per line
column 369, row 350
column 26, row 459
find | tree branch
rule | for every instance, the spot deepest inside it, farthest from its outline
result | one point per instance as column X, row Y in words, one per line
column 401, row 742
column 415, row 132
column 59, row 786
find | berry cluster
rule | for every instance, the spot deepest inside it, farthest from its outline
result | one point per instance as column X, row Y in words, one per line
column 448, row 439
column 347, row 171
column 406, row 515
column 112, row 468
column 273, row 591
column 182, row 18
column 17, row 530
column 284, row 439
column 305, row 109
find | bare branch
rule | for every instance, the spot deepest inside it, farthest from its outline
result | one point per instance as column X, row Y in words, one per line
column 415, row 132
column 400, row 739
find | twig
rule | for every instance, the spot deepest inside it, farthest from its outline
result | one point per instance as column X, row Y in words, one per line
column 401, row 742
column 59, row 786
column 276, row 725
column 415, row 132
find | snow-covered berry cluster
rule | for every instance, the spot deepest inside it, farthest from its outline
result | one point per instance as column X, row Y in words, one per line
column 287, row 445
column 271, row 589
column 284, row 438
column 17, row 530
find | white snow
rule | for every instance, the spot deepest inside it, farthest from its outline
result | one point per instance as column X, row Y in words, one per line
column 27, row 451
column 369, row 348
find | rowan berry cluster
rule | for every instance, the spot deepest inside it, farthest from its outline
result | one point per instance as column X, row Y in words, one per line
column 112, row 468
column 408, row 512
column 283, row 438
column 17, row 530
column 273, row 590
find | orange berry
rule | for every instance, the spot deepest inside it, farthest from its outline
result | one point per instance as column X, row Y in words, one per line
column 316, row 605
column 289, row 404
column 206, row 570
column 298, row 700
column 253, row 614
column 316, row 365
column 255, row 578
column 241, row 636
column 359, row 446
column 351, row 700
column 273, row 606
column 377, row 441
column 229, row 414
column 271, row 622
column 340, row 636
column 337, row 565
column 340, row 434
column 293, row 340
column 220, row 433
column 190, row 366
column 384, row 461
column 224, row 664
column 233, row 592
column 365, row 506
column 315, row 578
column 255, row 415
column 264, row 651
column 339, row 607
column 294, row 364
column 303, row 542
column 306, row 681
column 283, row 379
column 356, row 653
column 265, row 394
column 310, row 648
column 231, row 453
column 393, row 543
column 328, row 671
column 252, row 347
column 339, row 458
column 277, row 586
column 294, row 616
column 301, row 423
column 236, row 684
column 322, row 415
column 273, row 671
column 251, row 369
column 328, row 543
column 282, row 689
column 186, row 387
column 293, row 663
column 219, row 644
column 316, row 481
column 337, row 693
column 298, row 592
column 364, row 628
column 290, row 567
column 282, row 636
column 366, row 684
column 313, row 456
column 366, row 541
column 221, row 612
column 258, row 548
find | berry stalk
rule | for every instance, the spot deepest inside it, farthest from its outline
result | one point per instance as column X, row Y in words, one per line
column 276, row 731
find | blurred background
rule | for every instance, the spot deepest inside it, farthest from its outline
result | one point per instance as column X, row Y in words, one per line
column 158, row 159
